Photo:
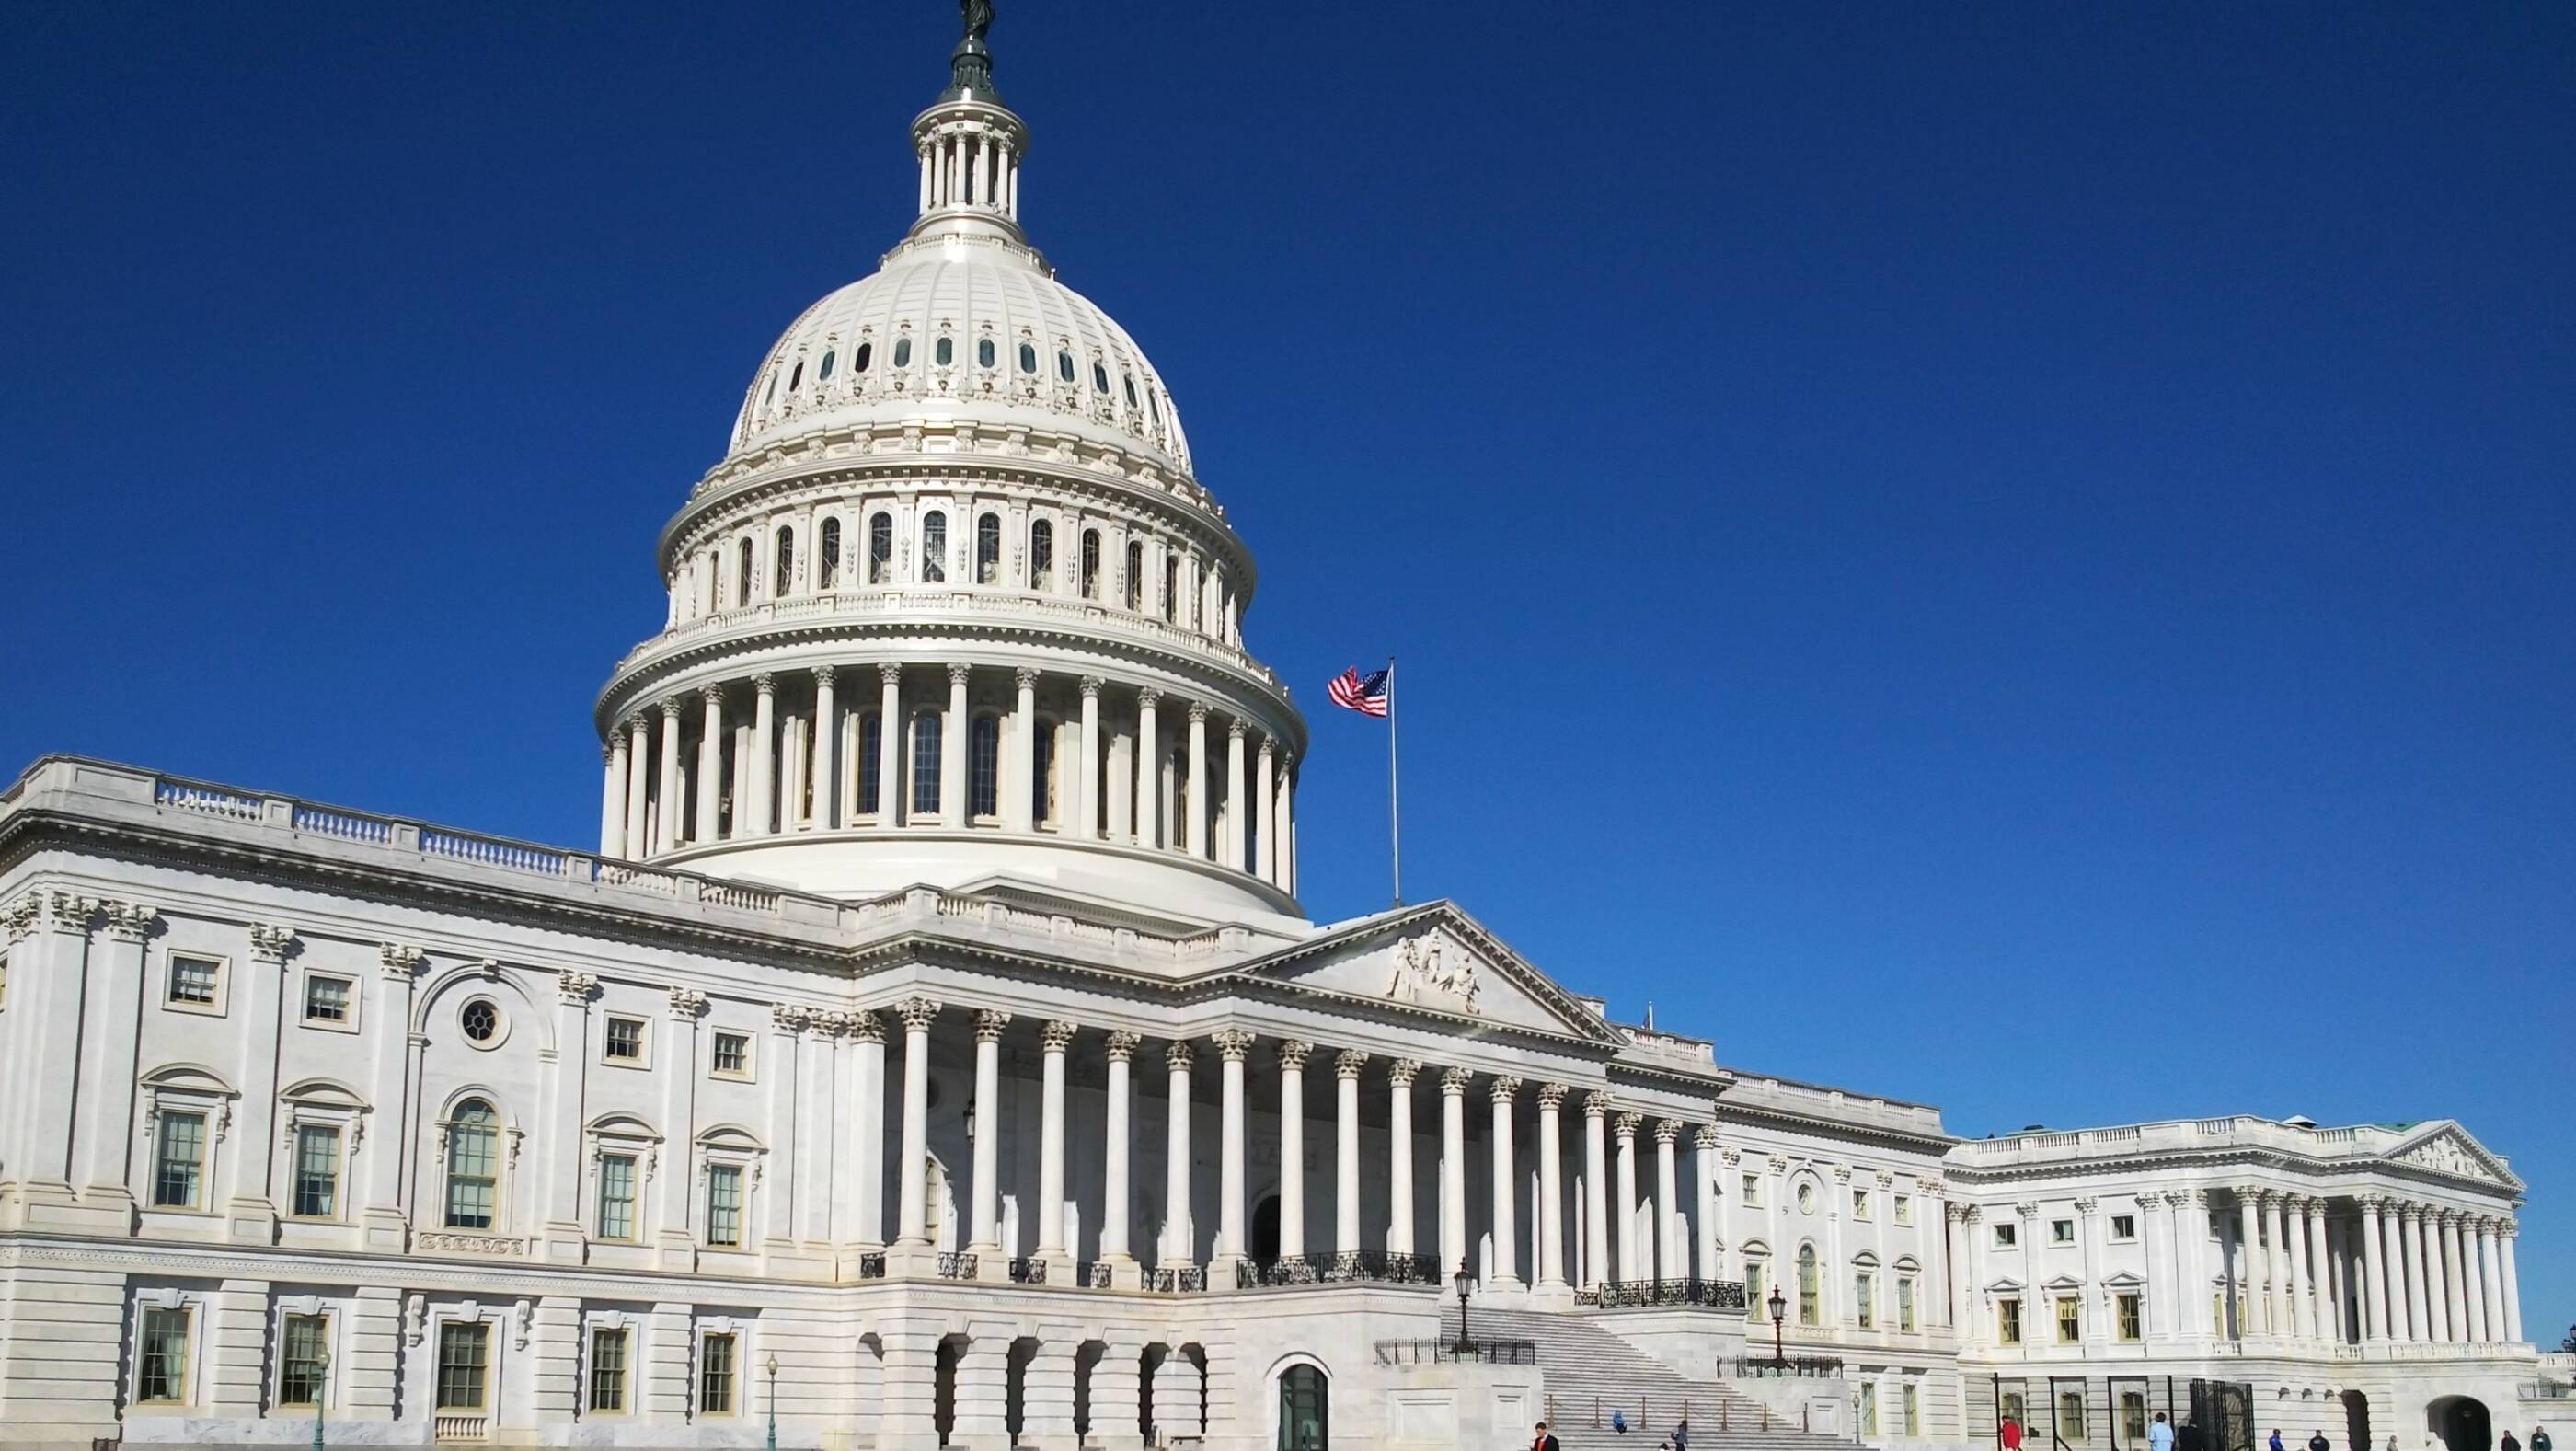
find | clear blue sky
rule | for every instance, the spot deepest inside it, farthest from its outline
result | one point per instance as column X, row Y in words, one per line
column 2013, row 556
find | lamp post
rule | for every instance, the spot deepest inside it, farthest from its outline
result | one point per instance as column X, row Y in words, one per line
column 1779, row 1317
column 773, row 1401
column 1465, row 1282
column 321, row 1390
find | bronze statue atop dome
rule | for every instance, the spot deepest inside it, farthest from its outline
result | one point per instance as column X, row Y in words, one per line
column 978, row 16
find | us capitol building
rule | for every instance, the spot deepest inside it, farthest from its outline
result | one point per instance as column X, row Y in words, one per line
column 935, row 1050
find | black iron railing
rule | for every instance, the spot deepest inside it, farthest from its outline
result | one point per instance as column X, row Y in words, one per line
column 872, row 1266
column 1443, row 1352
column 1363, row 1267
column 1795, row 1365
column 1093, row 1274
column 1179, row 1280
column 957, row 1265
column 1623, row 1294
column 1026, row 1271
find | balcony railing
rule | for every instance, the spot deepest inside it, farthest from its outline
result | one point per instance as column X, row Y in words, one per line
column 1448, row 1352
column 1361, row 1267
column 957, row 1265
column 1630, row 1294
column 1093, row 1275
column 1026, row 1271
column 872, row 1266
column 1179, row 1280
column 1758, row 1366
column 460, row 1425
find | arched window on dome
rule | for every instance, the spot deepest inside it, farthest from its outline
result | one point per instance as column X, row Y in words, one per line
column 984, row 352
column 984, row 767
column 473, row 1165
column 903, row 352
column 742, row 594
column 1091, row 564
column 925, row 763
column 1028, row 358
column 824, row 373
column 1041, row 555
column 988, row 549
column 828, row 566
column 783, row 578
column 881, row 549
column 1064, row 364
column 944, row 351
column 1171, row 586
column 1129, row 379
column 934, row 547
column 1154, row 405
column 796, row 376
column 1042, row 774
column 871, row 747
column 866, row 354
column 771, row 394
column 1135, row 579
column 1099, row 377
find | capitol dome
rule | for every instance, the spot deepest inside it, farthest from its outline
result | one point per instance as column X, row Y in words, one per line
column 954, row 609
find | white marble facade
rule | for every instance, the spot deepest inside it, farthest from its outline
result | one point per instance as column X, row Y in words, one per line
column 938, row 1022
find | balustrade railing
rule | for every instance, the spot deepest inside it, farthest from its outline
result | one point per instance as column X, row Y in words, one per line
column 1630, row 1294
column 491, row 852
column 1179, row 1280
column 323, row 821
column 1026, row 1271
column 1356, row 1267
column 1094, row 1275
column 1791, row 1367
column 957, row 1265
column 872, row 1266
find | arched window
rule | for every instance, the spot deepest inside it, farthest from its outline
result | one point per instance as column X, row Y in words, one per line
column 770, row 395
column 984, row 766
column 944, row 351
column 1091, row 564
column 742, row 596
column 796, row 376
column 925, row 763
column 1305, row 1410
column 988, row 549
column 1042, row 775
column 1171, row 585
column 903, row 352
column 1177, row 837
column 1042, row 555
column 785, row 576
column 880, row 548
column 871, row 747
column 824, row 373
column 866, row 354
column 983, row 352
column 1129, row 379
column 1135, row 579
column 829, row 574
column 1154, row 405
column 1099, row 377
column 473, row 1165
column 1808, row 1306
column 1028, row 358
column 934, row 547
column 1064, row 364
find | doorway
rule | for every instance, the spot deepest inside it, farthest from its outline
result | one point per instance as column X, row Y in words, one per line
column 2461, row 1423
column 1305, row 1409
column 1265, row 1231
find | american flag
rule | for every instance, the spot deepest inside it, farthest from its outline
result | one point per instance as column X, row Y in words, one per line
column 1363, row 693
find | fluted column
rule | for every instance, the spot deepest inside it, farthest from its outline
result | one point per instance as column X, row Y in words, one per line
column 1233, row 1045
column 2455, row 1279
column 1194, row 821
column 952, row 753
column 1236, row 802
column 2249, row 1245
column 2511, row 1285
column 824, row 775
column 1348, row 1065
column 2409, row 1222
column 867, row 1037
column 763, row 789
column 1286, row 860
column 1115, row 1207
column 1704, row 1151
column 890, row 732
column 911, row 1227
column 987, row 1129
column 2442, row 1274
column 1292, row 1147
column 1453, row 1169
column 1087, row 809
column 710, row 772
column 2473, row 1265
column 1265, row 801
column 639, row 785
column 1149, row 774
column 2490, row 1281
column 666, row 819
column 1020, row 784
column 612, row 798
column 2278, row 1317
column 1180, row 1243
column 1596, row 1195
column 1399, row 1168
column 2374, row 1273
column 1506, row 1267
column 1551, row 1187
column 2293, row 1245
column 2319, row 1279
column 1053, row 1039
column 1954, row 1271
column 1670, row 1259
column 1626, row 1128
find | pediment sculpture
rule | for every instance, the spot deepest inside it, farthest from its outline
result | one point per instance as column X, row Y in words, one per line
column 1428, row 970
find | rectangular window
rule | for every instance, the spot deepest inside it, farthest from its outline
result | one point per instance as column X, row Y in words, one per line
column 178, row 1160
column 724, row 1205
column 1913, row 1410
column 925, row 764
column 2133, row 1417
column 1865, row 1300
column 1756, row 1286
column 317, row 1171
column 1905, row 1302
column 326, row 999
column 871, row 745
column 625, row 1042
column 607, row 1370
column 1860, row 1204
column 1752, row 1191
column 192, row 981
column 2070, row 1320
column 2061, row 1231
column 2070, row 1416
column 2008, row 1322
column 733, row 1055
column 2131, row 1316
column 984, row 766
column 2016, row 1409
column 2007, row 1235
column 715, row 1375
column 1869, row 1408
column 616, row 1196
column 2124, row 1226
column 300, row 1360
column 463, row 1352
column 1905, row 1214
column 161, row 1366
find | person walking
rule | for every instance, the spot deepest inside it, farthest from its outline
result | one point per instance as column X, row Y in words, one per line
column 1681, row 1434
column 2509, row 1443
column 2010, row 1434
column 2160, row 1436
column 2539, row 1439
column 2189, row 1438
column 1544, row 1441
column 2317, row 1442
column 2276, row 1438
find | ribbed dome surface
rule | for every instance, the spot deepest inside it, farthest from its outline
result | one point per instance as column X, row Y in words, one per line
column 873, row 352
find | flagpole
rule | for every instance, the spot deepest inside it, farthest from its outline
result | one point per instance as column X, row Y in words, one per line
column 1394, row 817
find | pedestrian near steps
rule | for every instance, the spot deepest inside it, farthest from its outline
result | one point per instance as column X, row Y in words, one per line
column 1544, row 1441
column 2160, row 1436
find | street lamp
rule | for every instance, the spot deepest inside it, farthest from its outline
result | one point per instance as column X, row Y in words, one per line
column 773, row 1401
column 1779, row 1317
column 321, row 1390
column 1465, row 1282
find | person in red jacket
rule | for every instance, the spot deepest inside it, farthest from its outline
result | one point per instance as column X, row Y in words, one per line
column 2012, row 1434
column 1545, row 1442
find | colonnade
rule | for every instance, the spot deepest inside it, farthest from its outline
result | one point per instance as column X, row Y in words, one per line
column 2372, row 1267
column 802, row 755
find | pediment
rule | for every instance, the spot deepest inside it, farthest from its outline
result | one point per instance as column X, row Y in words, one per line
column 2446, row 1148
column 1433, row 960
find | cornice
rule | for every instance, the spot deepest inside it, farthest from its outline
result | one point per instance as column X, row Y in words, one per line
column 2321, row 1171
column 1747, row 1112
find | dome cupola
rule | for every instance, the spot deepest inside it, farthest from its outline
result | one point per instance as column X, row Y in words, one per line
column 954, row 608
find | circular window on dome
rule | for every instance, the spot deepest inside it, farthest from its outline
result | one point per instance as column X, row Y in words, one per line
column 481, row 1022
column 983, row 352
column 1806, row 1198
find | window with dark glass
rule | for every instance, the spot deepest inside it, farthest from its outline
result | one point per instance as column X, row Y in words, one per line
column 934, row 547
column 1129, row 379
column 300, row 1360
column 1134, row 583
column 742, row 596
column 607, row 1369
column 988, row 549
column 473, row 1165
column 1099, row 377
column 944, row 352
column 859, row 361
column 464, row 1352
column 625, row 1040
column 983, row 352
column 1042, row 555
column 161, row 1362
column 784, row 578
column 824, row 373
column 178, row 1160
column 616, row 1196
column 830, row 572
column 1042, row 775
column 984, row 776
column 1028, row 358
column 903, row 352
column 317, row 1171
column 1171, row 585
column 724, row 1205
column 880, row 548
column 925, row 764
column 716, row 1375
column 326, row 999
column 796, row 376
column 1064, row 365
column 1091, row 564
column 871, row 742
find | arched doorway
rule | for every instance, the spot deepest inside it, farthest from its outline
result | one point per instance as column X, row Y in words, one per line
column 2461, row 1423
column 2356, row 1420
column 1305, row 1409
column 1265, row 1231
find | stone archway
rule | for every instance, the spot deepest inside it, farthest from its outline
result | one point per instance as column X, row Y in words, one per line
column 2356, row 1420
column 2460, row 1423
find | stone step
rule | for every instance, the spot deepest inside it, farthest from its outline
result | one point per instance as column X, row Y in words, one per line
column 1592, row 1373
